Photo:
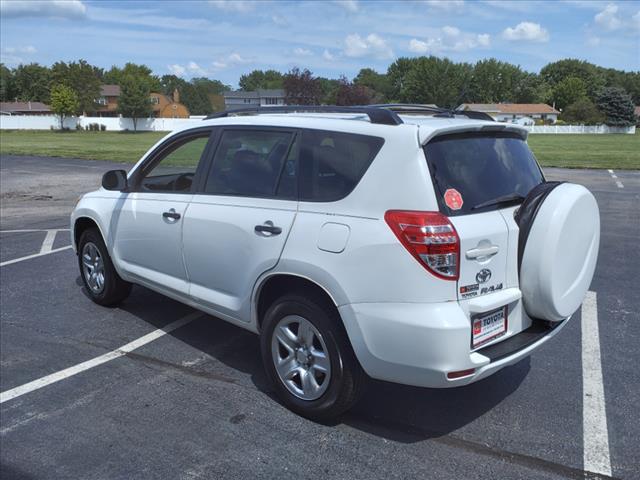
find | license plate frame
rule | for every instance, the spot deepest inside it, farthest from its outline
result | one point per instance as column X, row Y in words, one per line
column 481, row 334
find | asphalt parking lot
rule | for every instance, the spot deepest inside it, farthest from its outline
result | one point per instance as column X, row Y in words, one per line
column 194, row 403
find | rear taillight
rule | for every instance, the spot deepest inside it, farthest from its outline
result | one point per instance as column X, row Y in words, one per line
column 430, row 238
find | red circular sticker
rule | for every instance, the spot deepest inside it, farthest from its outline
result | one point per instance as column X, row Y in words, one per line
column 453, row 199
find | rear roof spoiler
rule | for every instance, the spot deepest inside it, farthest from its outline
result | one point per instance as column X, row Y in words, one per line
column 426, row 134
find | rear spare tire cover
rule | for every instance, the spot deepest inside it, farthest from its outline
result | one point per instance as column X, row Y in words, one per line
column 560, row 253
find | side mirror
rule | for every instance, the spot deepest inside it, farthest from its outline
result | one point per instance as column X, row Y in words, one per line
column 115, row 180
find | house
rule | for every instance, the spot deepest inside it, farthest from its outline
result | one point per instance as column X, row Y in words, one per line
column 258, row 98
column 510, row 112
column 163, row 105
column 168, row 107
column 108, row 101
column 24, row 108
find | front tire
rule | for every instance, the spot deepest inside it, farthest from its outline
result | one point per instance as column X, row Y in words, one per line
column 308, row 357
column 100, row 279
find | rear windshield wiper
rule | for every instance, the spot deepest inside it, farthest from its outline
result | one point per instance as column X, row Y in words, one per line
column 511, row 198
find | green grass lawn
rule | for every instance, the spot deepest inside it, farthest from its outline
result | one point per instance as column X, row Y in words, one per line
column 587, row 151
column 573, row 151
column 117, row 146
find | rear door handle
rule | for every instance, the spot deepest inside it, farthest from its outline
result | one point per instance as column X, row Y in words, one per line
column 480, row 252
column 172, row 214
column 268, row 227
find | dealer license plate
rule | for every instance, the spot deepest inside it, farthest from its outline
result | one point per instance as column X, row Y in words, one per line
column 488, row 326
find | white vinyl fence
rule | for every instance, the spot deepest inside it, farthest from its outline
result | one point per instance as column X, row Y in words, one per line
column 46, row 122
column 580, row 129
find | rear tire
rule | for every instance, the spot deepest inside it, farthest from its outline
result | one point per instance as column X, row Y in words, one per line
column 327, row 378
column 100, row 279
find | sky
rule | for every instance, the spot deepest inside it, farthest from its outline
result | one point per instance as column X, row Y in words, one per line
column 223, row 39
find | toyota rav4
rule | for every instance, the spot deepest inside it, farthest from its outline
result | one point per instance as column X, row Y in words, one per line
column 402, row 243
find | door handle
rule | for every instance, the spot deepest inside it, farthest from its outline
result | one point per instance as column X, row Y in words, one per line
column 268, row 227
column 480, row 252
column 172, row 214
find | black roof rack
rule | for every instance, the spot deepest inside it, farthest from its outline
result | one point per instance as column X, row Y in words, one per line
column 383, row 116
column 437, row 111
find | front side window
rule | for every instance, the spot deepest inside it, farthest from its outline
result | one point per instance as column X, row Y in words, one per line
column 250, row 163
column 176, row 169
column 331, row 163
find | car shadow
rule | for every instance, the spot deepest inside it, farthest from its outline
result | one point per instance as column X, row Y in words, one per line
column 395, row 412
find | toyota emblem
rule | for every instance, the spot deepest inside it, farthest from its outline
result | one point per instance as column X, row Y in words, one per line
column 483, row 275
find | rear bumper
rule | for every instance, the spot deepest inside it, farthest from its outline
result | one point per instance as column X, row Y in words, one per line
column 418, row 344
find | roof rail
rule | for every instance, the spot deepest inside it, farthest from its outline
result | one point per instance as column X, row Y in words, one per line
column 382, row 116
column 437, row 111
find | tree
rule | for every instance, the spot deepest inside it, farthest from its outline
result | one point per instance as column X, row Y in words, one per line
column 582, row 111
column 117, row 75
column 349, row 93
column 397, row 75
column 7, row 84
column 617, row 107
column 83, row 78
column 494, row 81
column 437, row 81
column 590, row 74
column 208, row 86
column 301, row 87
column 568, row 91
column 328, row 90
column 134, row 99
column 64, row 102
column 258, row 79
column 378, row 84
column 32, row 83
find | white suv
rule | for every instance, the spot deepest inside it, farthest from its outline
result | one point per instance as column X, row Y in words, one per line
column 407, row 244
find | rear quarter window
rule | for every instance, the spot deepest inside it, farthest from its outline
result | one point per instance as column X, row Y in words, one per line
column 481, row 167
column 332, row 163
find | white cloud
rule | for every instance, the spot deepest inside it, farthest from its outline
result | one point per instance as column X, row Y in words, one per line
column 348, row 5
column 418, row 46
column 229, row 61
column 528, row 31
column 177, row 70
column 372, row 45
column 446, row 4
column 636, row 20
column 27, row 49
column 239, row 6
column 451, row 31
column 608, row 18
column 196, row 69
column 593, row 41
column 237, row 58
column 452, row 40
column 302, row 52
column 41, row 8
column 279, row 20
column 327, row 55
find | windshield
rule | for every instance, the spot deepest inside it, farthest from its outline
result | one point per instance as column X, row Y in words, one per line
column 476, row 169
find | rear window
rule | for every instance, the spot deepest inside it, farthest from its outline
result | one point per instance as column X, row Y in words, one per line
column 475, row 169
column 332, row 163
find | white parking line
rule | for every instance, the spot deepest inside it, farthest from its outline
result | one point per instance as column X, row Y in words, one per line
column 94, row 362
column 35, row 255
column 47, row 243
column 615, row 178
column 594, row 416
column 31, row 230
